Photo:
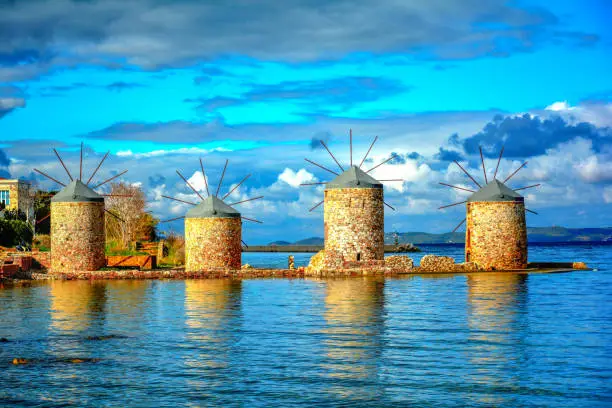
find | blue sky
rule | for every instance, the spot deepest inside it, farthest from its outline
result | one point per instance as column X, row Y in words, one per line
column 161, row 84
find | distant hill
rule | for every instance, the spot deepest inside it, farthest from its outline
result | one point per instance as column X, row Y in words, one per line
column 534, row 234
column 279, row 243
column 310, row 241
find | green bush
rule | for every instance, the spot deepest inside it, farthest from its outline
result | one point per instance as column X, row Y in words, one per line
column 12, row 232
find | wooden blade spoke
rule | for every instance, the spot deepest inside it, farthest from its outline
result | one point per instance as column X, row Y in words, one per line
column 49, row 177
column 237, row 185
column 452, row 205
column 221, row 181
column 332, row 155
column 484, row 169
column 189, row 184
column 368, row 152
column 173, row 219
column 244, row 201
column 252, row 220
column 117, row 195
column 318, row 204
column 43, row 218
column 531, row 211
column 468, row 174
column 457, row 227
column 457, row 187
column 114, row 215
column 498, row 161
column 392, row 180
column 244, row 243
column 81, row 164
column 97, row 168
column 515, row 171
column 389, row 159
column 526, row 187
column 63, row 165
column 313, row 184
column 323, row 167
column 111, row 179
column 385, row 203
column 351, row 145
column 204, row 175
column 179, row 200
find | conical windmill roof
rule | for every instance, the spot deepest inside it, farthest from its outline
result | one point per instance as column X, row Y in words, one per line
column 354, row 177
column 212, row 207
column 495, row 191
column 77, row 192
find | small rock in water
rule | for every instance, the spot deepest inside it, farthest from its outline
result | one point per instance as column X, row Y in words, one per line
column 579, row 265
column 4, row 340
column 106, row 337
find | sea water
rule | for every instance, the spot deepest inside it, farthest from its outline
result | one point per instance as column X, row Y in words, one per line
column 445, row 340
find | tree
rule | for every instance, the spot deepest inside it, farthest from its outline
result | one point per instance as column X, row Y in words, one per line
column 42, row 208
column 132, row 222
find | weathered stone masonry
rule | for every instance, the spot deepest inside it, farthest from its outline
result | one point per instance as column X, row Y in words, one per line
column 354, row 225
column 496, row 235
column 212, row 243
column 77, row 236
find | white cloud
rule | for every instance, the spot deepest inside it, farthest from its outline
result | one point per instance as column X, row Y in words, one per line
column 198, row 182
column 607, row 194
column 165, row 152
column 559, row 106
column 11, row 103
column 294, row 179
column 592, row 170
column 410, row 171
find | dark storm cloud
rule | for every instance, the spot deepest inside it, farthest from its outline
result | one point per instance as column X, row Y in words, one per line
column 387, row 127
column 526, row 135
column 156, row 180
column 397, row 158
column 121, row 86
column 7, row 105
column 315, row 142
column 59, row 90
column 208, row 105
column 414, row 156
column 343, row 92
column 154, row 34
column 4, row 163
column 336, row 94
column 448, row 155
column 33, row 150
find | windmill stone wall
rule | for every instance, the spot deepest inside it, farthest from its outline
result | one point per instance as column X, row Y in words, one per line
column 353, row 219
column 212, row 243
column 496, row 229
column 77, row 229
column 213, row 237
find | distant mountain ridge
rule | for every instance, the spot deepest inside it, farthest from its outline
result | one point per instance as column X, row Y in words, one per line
column 534, row 234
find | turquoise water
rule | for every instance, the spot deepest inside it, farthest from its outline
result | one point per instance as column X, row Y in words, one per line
column 465, row 340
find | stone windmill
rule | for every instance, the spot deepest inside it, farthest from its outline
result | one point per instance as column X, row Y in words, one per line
column 77, row 221
column 496, row 230
column 353, row 208
column 213, row 228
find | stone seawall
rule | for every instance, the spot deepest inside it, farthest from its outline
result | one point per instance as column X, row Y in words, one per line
column 354, row 223
column 77, row 236
column 213, row 243
column 496, row 235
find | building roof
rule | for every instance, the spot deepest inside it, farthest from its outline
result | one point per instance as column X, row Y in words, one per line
column 354, row 177
column 77, row 192
column 212, row 207
column 495, row 191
